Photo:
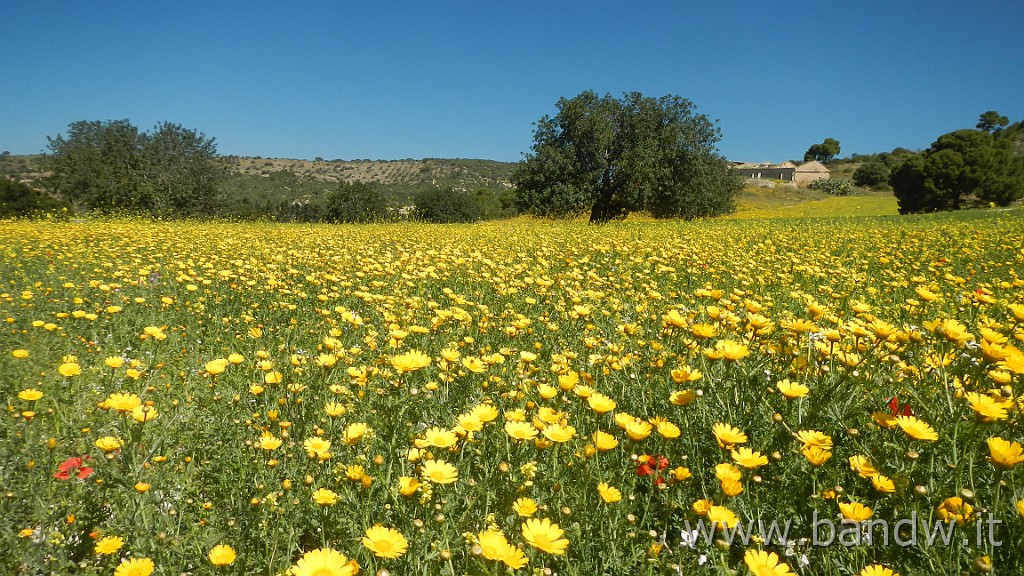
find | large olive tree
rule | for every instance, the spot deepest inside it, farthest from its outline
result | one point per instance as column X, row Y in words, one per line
column 613, row 156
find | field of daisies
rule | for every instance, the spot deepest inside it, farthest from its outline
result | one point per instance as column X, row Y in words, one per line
column 513, row 398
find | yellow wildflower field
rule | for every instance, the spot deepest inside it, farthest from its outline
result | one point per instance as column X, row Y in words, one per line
column 529, row 397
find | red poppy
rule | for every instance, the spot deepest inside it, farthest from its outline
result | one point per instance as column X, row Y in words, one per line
column 647, row 465
column 73, row 465
column 894, row 407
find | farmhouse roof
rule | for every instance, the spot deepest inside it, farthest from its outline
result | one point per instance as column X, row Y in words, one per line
column 812, row 166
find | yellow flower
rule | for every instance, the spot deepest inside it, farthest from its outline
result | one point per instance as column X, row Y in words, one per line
column 638, row 429
column 568, row 380
column 987, row 409
column 731, row 487
column 950, row 329
column 355, row 472
column 114, row 362
column 728, row 436
column 731, row 350
column 815, row 455
column 884, row 419
column 917, row 429
column 122, row 402
column 438, row 437
column 30, row 394
column 748, row 458
column 108, row 545
column 1020, row 508
column 410, row 361
column 109, row 443
column 493, row 544
column 324, row 562
column 355, row 432
column 882, row 483
column 1004, row 454
column 814, row 438
column 20, row 353
column 665, row 428
column 608, row 493
column 334, row 409
column 1013, row 363
column 520, row 430
column 385, row 542
column 544, row 535
column 222, row 555
column 686, row 374
column 763, row 563
column 325, row 497
column 600, row 403
column 144, row 414
column 408, row 485
column 484, row 412
column 704, row 330
column 854, row 511
column 792, row 390
column 215, row 367
column 682, row 397
column 269, row 442
column 721, row 516
column 558, row 433
column 954, row 508
column 142, row 487
column 680, row 473
column 726, row 471
column 524, row 507
column 135, row 567
column 317, row 447
column 439, row 472
column 547, row 391
column 69, row 369
column 701, row 507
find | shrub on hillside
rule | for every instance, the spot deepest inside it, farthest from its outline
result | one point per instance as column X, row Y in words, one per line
column 833, row 186
column 17, row 199
column 355, row 202
column 872, row 174
column 445, row 206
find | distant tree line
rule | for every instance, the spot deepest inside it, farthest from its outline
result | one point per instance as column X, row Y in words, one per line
column 112, row 167
column 599, row 155
column 964, row 168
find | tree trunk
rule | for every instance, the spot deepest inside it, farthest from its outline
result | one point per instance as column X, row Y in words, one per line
column 600, row 213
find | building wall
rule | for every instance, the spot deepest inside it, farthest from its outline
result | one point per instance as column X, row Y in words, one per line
column 766, row 173
column 808, row 177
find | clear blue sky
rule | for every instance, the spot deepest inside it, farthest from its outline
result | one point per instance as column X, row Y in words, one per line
column 414, row 79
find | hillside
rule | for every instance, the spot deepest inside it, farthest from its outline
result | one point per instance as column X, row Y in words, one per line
column 258, row 186
column 397, row 175
column 394, row 175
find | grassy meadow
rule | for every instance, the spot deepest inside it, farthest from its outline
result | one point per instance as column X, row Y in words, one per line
column 519, row 397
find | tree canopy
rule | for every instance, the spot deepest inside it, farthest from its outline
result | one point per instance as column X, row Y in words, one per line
column 445, row 206
column 355, row 202
column 112, row 166
column 18, row 199
column 823, row 152
column 613, row 156
column 962, row 166
column 872, row 174
column 992, row 121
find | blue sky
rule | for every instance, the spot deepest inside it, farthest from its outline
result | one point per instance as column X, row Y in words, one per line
column 444, row 79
